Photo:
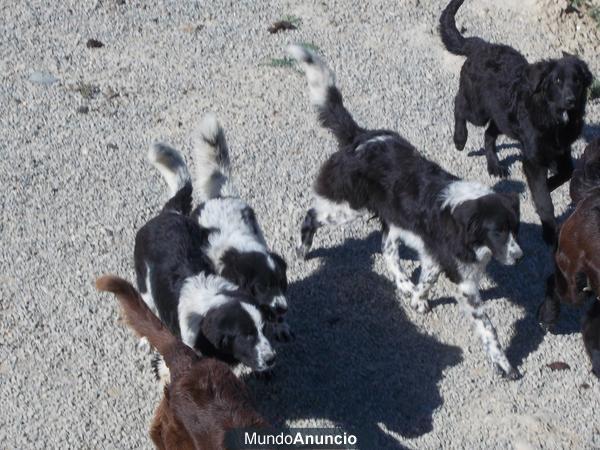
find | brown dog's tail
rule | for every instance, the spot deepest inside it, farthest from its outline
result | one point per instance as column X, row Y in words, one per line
column 143, row 321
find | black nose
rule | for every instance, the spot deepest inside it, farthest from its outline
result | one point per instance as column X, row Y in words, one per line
column 570, row 101
column 270, row 361
column 281, row 310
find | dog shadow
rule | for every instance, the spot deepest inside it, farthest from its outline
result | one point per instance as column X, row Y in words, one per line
column 590, row 132
column 357, row 362
column 508, row 161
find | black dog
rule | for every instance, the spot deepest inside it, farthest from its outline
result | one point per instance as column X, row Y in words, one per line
column 455, row 226
column 176, row 279
column 541, row 105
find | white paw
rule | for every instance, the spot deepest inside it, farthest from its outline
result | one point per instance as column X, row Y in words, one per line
column 144, row 346
column 420, row 305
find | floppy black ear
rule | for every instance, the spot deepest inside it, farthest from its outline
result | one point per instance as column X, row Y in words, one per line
column 537, row 73
column 584, row 73
column 234, row 268
column 514, row 202
column 465, row 216
column 281, row 266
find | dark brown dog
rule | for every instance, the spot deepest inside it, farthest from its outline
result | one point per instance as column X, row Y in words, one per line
column 577, row 257
column 204, row 398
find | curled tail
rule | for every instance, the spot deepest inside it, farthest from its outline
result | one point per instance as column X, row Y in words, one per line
column 173, row 168
column 143, row 321
column 325, row 95
column 211, row 157
column 454, row 41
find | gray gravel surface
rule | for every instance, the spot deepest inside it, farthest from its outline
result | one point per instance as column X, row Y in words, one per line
column 75, row 124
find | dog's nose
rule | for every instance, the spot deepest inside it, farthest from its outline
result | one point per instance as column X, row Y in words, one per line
column 281, row 310
column 570, row 101
column 270, row 360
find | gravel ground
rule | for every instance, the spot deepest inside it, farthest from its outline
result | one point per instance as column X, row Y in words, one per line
column 75, row 125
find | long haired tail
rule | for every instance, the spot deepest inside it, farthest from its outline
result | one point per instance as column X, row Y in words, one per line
column 143, row 321
column 454, row 41
column 173, row 168
column 211, row 157
column 325, row 95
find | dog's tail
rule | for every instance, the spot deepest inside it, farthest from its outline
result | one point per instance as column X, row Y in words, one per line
column 142, row 320
column 325, row 95
column 454, row 41
column 173, row 168
column 211, row 157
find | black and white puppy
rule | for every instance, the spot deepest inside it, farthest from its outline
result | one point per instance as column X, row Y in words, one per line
column 541, row 105
column 455, row 226
column 176, row 279
column 235, row 244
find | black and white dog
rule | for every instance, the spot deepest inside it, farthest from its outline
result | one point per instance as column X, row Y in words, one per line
column 542, row 105
column 176, row 279
column 455, row 226
column 235, row 244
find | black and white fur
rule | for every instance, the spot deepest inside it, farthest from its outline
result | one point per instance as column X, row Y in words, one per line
column 176, row 279
column 235, row 245
column 455, row 226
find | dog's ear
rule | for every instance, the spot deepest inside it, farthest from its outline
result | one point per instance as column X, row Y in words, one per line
column 281, row 268
column 212, row 331
column 584, row 73
column 234, row 268
column 537, row 73
column 513, row 202
column 465, row 216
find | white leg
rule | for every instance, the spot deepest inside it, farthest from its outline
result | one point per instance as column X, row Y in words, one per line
column 430, row 271
column 470, row 300
column 392, row 258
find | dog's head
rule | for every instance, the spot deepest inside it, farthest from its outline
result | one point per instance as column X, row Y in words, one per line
column 261, row 275
column 492, row 221
column 563, row 83
column 236, row 329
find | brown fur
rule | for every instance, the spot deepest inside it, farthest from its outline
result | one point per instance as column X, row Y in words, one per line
column 204, row 398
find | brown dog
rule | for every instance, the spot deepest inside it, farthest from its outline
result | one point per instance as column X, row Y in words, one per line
column 204, row 398
column 577, row 257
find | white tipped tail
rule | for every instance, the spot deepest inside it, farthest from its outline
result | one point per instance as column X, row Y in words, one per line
column 319, row 75
column 211, row 157
column 171, row 166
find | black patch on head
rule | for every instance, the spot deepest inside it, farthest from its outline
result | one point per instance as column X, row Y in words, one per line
column 252, row 272
column 228, row 333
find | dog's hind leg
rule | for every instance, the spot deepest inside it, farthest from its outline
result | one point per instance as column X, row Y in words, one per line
column 391, row 255
column 494, row 167
column 470, row 300
column 460, row 122
column 324, row 212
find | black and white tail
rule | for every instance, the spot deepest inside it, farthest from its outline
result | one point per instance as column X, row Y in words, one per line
column 325, row 95
column 454, row 41
column 211, row 157
column 173, row 168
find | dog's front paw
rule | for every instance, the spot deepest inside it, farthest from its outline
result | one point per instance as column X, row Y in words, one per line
column 498, row 170
column 302, row 251
column 143, row 345
column 419, row 305
column 510, row 373
column 547, row 318
column 281, row 332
